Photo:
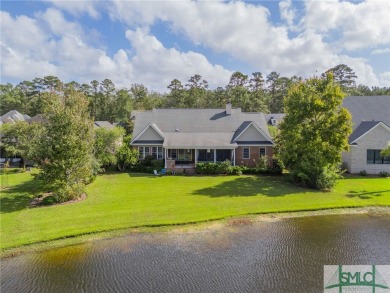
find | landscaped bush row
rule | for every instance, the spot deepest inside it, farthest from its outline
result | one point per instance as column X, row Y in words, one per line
column 148, row 165
column 265, row 168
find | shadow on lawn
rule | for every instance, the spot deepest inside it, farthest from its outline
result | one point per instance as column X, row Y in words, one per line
column 251, row 186
column 18, row 197
column 365, row 194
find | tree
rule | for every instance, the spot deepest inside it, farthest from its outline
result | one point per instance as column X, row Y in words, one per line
column 277, row 89
column 22, row 139
column 107, row 100
column 177, row 95
column 11, row 98
column 196, row 92
column 386, row 152
column 344, row 76
column 257, row 93
column 107, row 143
column 66, row 153
column 238, row 91
column 314, row 132
column 126, row 155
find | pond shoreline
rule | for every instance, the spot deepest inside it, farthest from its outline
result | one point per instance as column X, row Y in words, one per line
column 198, row 227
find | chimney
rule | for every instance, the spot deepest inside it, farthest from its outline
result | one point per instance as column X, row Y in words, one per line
column 228, row 108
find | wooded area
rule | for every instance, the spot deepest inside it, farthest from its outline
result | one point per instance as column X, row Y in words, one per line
column 254, row 93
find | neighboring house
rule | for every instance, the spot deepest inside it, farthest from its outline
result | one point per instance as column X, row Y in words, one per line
column 103, row 124
column 274, row 119
column 184, row 137
column 371, row 134
column 13, row 116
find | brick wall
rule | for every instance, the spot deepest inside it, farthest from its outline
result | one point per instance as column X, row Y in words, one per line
column 254, row 155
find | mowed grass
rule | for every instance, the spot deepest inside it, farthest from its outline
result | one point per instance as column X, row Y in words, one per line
column 121, row 200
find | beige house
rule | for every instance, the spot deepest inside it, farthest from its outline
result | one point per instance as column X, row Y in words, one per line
column 371, row 134
column 184, row 137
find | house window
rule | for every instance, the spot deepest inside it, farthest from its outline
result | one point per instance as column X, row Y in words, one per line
column 223, row 155
column 172, row 153
column 206, row 155
column 262, row 152
column 159, row 153
column 154, row 152
column 374, row 157
column 246, row 153
column 143, row 152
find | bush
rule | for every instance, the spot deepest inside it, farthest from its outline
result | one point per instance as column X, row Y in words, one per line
column 327, row 179
column 384, row 174
column 263, row 164
column 49, row 200
column 10, row 170
column 69, row 192
column 235, row 170
column 214, row 168
column 363, row 173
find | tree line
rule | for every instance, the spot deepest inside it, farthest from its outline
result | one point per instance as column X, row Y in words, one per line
column 254, row 93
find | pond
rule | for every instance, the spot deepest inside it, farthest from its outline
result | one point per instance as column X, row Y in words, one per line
column 266, row 256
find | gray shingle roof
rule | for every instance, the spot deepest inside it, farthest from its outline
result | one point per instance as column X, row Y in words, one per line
column 196, row 120
column 278, row 116
column 368, row 108
column 367, row 112
column 13, row 116
column 212, row 126
column 104, row 124
column 362, row 129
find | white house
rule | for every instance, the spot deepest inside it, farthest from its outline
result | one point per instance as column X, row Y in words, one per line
column 371, row 134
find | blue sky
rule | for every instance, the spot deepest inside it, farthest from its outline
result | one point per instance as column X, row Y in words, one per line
column 153, row 42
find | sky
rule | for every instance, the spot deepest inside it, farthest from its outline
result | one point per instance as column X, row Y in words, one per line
column 154, row 42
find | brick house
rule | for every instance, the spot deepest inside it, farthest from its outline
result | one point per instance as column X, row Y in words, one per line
column 184, row 137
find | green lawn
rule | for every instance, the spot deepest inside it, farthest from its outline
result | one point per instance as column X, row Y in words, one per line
column 133, row 200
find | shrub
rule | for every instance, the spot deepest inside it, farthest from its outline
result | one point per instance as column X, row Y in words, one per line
column 235, row 170
column 363, row 173
column 214, row 168
column 263, row 164
column 384, row 174
column 49, row 200
column 67, row 193
column 327, row 179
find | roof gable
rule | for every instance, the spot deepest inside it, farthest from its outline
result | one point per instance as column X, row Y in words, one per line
column 196, row 120
column 364, row 128
column 251, row 132
column 150, row 133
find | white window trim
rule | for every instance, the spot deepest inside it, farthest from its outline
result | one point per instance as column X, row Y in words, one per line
column 162, row 153
column 249, row 153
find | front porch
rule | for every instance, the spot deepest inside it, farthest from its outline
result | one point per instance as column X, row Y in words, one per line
column 187, row 158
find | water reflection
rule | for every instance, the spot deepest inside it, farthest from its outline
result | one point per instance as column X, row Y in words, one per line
column 281, row 256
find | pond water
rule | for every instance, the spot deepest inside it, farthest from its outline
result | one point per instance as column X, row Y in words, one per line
column 269, row 256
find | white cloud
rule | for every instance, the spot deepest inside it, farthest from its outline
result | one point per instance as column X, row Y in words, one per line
column 362, row 25
column 245, row 32
column 287, row 13
column 159, row 65
column 385, row 78
column 58, row 47
column 380, row 51
column 78, row 8
column 241, row 30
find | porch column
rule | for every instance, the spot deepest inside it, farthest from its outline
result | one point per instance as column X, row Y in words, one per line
column 234, row 157
column 196, row 155
column 215, row 155
column 166, row 156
